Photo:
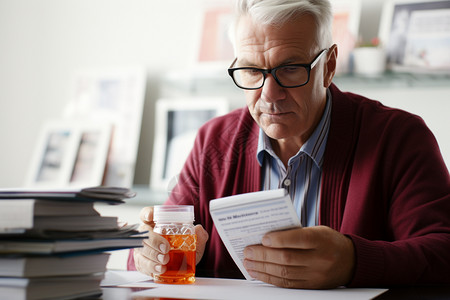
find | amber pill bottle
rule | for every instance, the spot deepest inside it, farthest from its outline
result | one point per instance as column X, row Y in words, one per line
column 176, row 224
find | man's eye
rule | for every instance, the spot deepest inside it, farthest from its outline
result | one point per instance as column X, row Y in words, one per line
column 252, row 72
column 290, row 69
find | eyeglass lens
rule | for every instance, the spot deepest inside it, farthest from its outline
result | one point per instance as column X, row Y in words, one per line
column 285, row 75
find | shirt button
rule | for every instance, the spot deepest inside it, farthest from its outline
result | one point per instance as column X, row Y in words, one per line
column 287, row 182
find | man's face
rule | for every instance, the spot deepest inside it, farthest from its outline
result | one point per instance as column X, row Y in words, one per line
column 289, row 114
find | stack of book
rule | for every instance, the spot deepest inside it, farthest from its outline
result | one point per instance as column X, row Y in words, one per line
column 53, row 243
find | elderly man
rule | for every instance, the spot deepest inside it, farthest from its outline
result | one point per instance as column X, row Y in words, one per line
column 368, row 182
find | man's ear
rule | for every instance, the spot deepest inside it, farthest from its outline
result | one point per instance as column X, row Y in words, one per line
column 330, row 66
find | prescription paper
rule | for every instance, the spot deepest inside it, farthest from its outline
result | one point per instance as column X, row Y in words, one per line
column 242, row 220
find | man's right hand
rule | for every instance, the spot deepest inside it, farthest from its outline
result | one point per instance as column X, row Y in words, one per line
column 153, row 256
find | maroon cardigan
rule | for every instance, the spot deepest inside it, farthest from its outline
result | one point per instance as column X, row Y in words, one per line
column 385, row 185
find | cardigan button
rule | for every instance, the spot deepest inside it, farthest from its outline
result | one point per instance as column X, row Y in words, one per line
column 287, row 182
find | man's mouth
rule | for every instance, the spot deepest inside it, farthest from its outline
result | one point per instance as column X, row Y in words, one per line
column 274, row 113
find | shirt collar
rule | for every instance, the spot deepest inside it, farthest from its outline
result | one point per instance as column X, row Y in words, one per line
column 314, row 146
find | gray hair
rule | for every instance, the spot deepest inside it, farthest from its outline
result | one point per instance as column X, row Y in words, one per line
column 278, row 12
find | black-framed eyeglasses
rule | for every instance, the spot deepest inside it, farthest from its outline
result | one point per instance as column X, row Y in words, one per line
column 287, row 76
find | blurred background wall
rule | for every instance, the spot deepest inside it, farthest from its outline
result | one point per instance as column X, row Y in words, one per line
column 42, row 42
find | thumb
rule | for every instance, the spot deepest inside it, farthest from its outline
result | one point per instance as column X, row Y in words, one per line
column 146, row 216
column 202, row 238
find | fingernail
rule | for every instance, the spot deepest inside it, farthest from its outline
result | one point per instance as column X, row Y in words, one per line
column 161, row 258
column 158, row 268
column 266, row 241
column 163, row 248
column 248, row 253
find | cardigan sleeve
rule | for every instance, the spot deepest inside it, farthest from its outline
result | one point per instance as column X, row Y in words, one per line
column 386, row 186
column 403, row 186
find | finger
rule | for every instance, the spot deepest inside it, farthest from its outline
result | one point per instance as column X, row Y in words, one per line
column 313, row 273
column 284, row 282
column 146, row 215
column 154, row 255
column 289, row 276
column 288, row 257
column 202, row 238
column 157, row 243
column 278, row 270
column 145, row 265
column 298, row 238
column 145, row 228
column 311, row 281
column 329, row 261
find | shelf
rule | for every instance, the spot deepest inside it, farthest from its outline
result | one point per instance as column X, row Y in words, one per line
column 215, row 81
column 394, row 80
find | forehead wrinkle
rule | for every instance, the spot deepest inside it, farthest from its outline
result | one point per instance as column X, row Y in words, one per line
column 248, row 51
column 284, row 53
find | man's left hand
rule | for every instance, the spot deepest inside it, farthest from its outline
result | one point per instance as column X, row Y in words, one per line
column 310, row 258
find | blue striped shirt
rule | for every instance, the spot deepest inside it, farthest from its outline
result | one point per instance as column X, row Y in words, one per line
column 302, row 178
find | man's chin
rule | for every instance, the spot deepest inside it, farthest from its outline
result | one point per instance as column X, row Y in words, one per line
column 276, row 131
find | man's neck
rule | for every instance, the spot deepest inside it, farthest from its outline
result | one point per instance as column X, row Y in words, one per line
column 286, row 148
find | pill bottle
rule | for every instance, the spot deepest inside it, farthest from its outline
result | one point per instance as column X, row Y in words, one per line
column 175, row 224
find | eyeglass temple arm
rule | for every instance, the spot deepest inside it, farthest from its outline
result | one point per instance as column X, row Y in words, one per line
column 232, row 64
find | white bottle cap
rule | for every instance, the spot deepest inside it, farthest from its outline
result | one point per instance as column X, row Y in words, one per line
column 173, row 213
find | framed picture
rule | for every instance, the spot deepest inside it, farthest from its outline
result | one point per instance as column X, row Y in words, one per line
column 416, row 35
column 116, row 96
column 70, row 154
column 345, row 30
column 177, row 123
column 215, row 47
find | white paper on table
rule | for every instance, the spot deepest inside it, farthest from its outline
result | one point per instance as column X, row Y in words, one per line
column 224, row 289
column 119, row 278
column 242, row 220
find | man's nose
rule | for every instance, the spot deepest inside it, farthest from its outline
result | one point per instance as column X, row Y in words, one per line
column 271, row 90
